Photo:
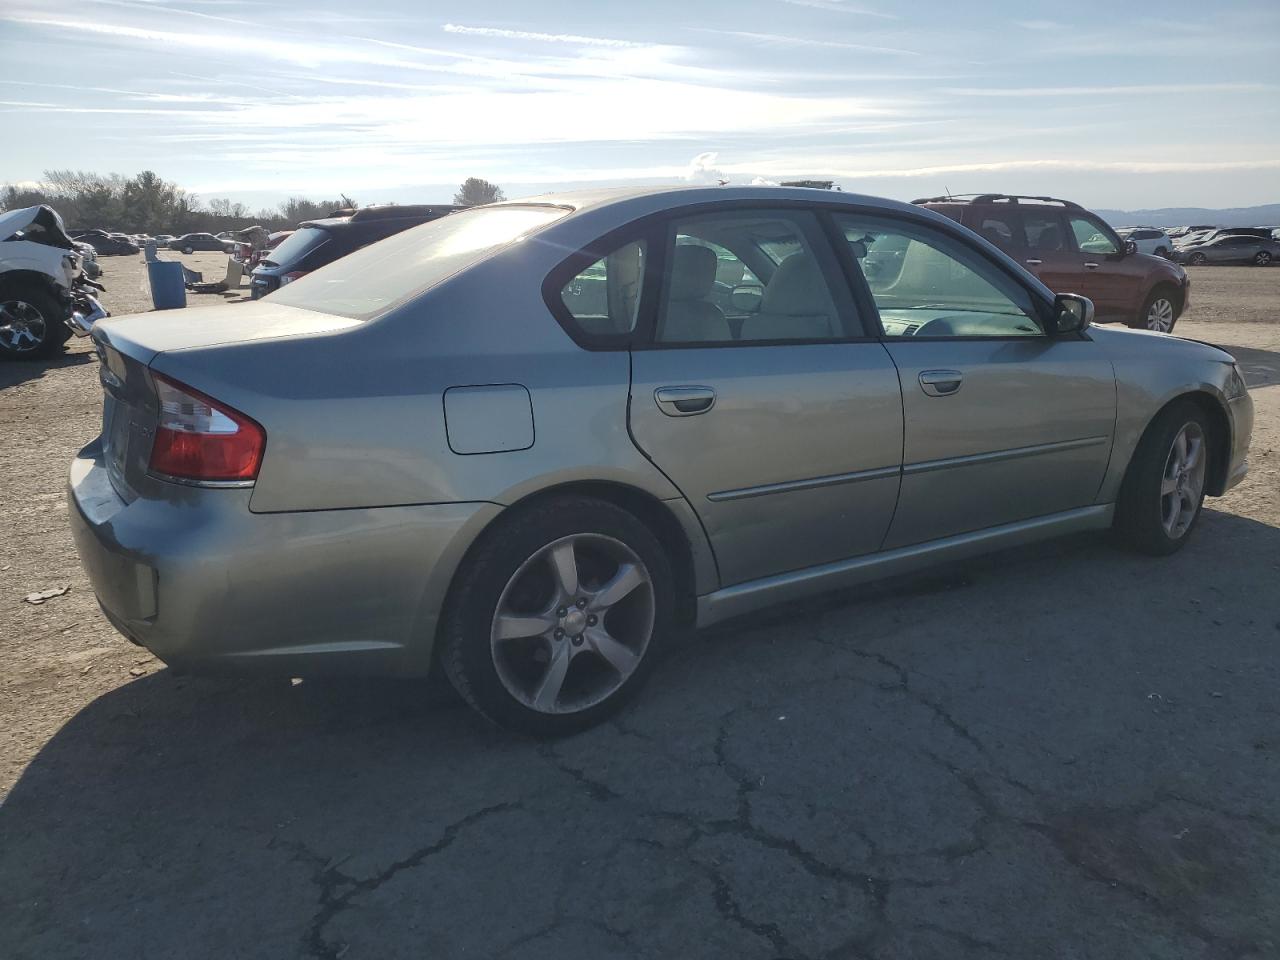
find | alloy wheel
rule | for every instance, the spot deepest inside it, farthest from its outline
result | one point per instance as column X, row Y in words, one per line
column 573, row 623
column 1160, row 315
column 22, row 326
column 1182, row 483
column 1263, row 258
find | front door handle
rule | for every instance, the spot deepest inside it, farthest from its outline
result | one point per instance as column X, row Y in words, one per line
column 684, row 401
column 941, row 383
column 1033, row 263
column 1092, row 266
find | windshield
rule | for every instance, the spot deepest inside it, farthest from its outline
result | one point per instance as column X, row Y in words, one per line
column 377, row 277
column 297, row 245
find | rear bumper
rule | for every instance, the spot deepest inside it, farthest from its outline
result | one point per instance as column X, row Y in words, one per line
column 208, row 586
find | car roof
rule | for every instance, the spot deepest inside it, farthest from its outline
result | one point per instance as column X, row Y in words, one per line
column 583, row 201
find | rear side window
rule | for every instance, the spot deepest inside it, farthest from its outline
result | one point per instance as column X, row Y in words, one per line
column 381, row 275
column 752, row 276
column 1043, row 231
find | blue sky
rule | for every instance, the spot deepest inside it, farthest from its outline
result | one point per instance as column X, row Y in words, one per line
column 1111, row 104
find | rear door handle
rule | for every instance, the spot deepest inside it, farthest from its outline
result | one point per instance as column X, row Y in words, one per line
column 941, row 383
column 1033, row 263
column 684, row 401
column 1092, row 266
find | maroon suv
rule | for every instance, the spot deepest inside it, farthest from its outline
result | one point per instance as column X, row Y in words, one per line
column 1073, row 251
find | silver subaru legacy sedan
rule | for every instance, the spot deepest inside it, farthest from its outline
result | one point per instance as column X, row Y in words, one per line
column 531, row 441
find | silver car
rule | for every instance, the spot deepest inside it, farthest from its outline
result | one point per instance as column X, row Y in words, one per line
column 1229, row 248
column 530, row 441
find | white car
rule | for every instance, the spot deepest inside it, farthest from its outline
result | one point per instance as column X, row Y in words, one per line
column 1148, row 240
column 44, row 294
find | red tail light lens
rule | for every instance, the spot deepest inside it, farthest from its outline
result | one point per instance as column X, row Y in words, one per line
column 200, row 439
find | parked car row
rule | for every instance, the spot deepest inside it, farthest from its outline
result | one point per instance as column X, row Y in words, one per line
column 107, row 244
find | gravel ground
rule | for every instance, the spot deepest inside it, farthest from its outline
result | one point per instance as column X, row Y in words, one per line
column 1063, row 751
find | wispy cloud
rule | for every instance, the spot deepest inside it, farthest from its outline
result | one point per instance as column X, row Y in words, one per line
column 1111, row 90
column 505, row 34
column 840, row 6
column 777, row 39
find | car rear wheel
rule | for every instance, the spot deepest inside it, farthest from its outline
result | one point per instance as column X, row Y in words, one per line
column 1159, row 312
column 554, row 622
column 29, row 323
column 1198, row 259
column 1163, row 490
column 188, row 250
column 1162, row 252
column 1262, row 258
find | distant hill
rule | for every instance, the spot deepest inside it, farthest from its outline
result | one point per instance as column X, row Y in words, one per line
column 1264, row 216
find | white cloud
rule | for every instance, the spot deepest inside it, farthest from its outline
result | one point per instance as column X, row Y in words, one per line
column 840, row 6
column 703, row 169
column 1110, row 90
column 534, row 35
column 782, row 40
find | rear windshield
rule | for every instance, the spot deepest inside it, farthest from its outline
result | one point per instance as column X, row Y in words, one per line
column 377, row 277
column 297, row 245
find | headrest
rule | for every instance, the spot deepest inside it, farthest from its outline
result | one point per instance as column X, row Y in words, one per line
column 693, row 272
column 797, row 289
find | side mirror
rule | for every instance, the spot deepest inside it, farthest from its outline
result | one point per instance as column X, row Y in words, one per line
column 747, row 297
column 1071, row 314
column 1130, row 246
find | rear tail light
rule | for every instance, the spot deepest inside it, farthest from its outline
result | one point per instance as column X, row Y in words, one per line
column 290, row 277
column 201, row 440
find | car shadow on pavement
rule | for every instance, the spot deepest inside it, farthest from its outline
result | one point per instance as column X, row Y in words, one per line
column 14, row 372
column 1062, row 738
column 1261, row 367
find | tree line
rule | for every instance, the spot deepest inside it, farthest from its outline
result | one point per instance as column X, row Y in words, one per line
column 147, row 203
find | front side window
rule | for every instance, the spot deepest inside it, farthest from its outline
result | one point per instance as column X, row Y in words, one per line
column 1091, row 236
column 926, row 284
column 751, row 277
column 604, row 298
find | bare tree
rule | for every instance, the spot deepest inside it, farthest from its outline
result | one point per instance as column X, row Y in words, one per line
column 475, row 192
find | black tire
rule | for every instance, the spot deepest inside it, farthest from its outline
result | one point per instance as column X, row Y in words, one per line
column 1165, row 295
column 1162, row 252
column 465, row 649
column 187, row 250
column 16, row 303
column 1140, row 512
column 1198, row 259
column 1262, row 258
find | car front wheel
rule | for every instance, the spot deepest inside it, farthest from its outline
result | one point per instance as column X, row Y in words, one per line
column 1163, row 491
column 188, row 250
column 29, row 323
column 1158, row 312
column 1262, row 258
column 1198, row 259
column 554, row 622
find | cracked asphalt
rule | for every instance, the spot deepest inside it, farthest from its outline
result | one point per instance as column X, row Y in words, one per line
column 1064, row 751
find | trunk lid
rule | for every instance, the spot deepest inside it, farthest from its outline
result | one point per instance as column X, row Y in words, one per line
column 126, row 347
